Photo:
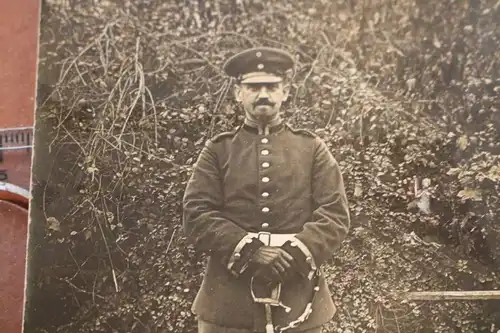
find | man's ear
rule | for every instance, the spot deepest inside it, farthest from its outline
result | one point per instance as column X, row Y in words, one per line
column 237, row 92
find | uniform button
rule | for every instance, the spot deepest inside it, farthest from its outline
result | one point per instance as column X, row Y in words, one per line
column 265, row 210
column 265, row 152
column 265, row 179
column 265, row 194
column 249, row 240
column 264, row 140
column 265, row 225
column 293, row 244
column 265, row 165
column 237, row 255
column 308, row 260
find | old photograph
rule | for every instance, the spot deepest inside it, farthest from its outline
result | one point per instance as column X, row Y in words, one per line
column 266, row 166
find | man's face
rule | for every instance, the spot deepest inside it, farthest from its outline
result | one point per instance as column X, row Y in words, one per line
column 261, row 101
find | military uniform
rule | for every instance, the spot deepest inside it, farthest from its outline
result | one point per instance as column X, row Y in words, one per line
column 278, row 187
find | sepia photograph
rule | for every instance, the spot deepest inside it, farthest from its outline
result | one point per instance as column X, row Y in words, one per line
column 259, row 166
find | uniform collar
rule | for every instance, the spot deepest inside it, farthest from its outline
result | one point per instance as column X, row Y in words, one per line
column 272, row 127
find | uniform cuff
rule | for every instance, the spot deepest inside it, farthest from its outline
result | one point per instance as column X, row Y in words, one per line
column 243, row 252
column 303, row 257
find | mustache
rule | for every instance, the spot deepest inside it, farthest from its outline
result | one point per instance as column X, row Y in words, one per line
column 263, row 102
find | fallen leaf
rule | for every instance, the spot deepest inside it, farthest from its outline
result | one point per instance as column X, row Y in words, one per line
column 87, row 234
column 463, row 142
column 358, row 190
column 470, row 193
column 436, row 42
column 494, row 173
column 54, row 224
column 453, row 171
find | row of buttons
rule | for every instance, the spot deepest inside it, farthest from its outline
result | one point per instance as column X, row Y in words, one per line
column 265, row 165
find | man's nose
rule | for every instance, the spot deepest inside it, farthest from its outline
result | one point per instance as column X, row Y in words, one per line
column 263, row 93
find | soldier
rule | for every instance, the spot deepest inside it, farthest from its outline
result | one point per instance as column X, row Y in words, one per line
column 267, row 203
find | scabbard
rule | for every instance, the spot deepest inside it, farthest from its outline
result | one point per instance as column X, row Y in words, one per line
column 269, row 319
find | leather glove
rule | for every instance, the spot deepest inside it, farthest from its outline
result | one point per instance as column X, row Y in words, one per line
column 272, row 263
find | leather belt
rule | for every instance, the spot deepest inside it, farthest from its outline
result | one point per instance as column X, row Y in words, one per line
column 272, row 239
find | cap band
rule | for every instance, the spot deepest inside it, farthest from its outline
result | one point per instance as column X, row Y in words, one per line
column 260, row 77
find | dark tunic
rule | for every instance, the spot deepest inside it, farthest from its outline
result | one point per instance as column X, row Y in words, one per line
column 285, row 182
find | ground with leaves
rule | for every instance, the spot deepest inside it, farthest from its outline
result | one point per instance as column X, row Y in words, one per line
column 405, row 93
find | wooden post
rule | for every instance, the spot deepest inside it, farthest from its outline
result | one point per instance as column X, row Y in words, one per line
column 452, row 295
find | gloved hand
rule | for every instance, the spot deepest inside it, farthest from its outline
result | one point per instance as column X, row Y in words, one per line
column 272, row 263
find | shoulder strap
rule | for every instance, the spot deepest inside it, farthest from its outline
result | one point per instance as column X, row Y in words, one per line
column 224, row 135
column 301, row 131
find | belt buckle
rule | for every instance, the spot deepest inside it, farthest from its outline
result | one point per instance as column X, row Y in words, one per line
column 261, row 235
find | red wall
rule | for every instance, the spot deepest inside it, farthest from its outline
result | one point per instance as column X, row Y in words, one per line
column 13, row 228
column 18, row 61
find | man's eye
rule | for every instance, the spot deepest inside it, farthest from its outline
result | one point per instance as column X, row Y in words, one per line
column 270, row 87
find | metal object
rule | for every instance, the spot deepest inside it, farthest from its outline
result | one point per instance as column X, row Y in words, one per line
column 274, row 299
column 14, row 194
column 16, row 138
column 15, row 174
column 15, row 156
column 19, row 27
